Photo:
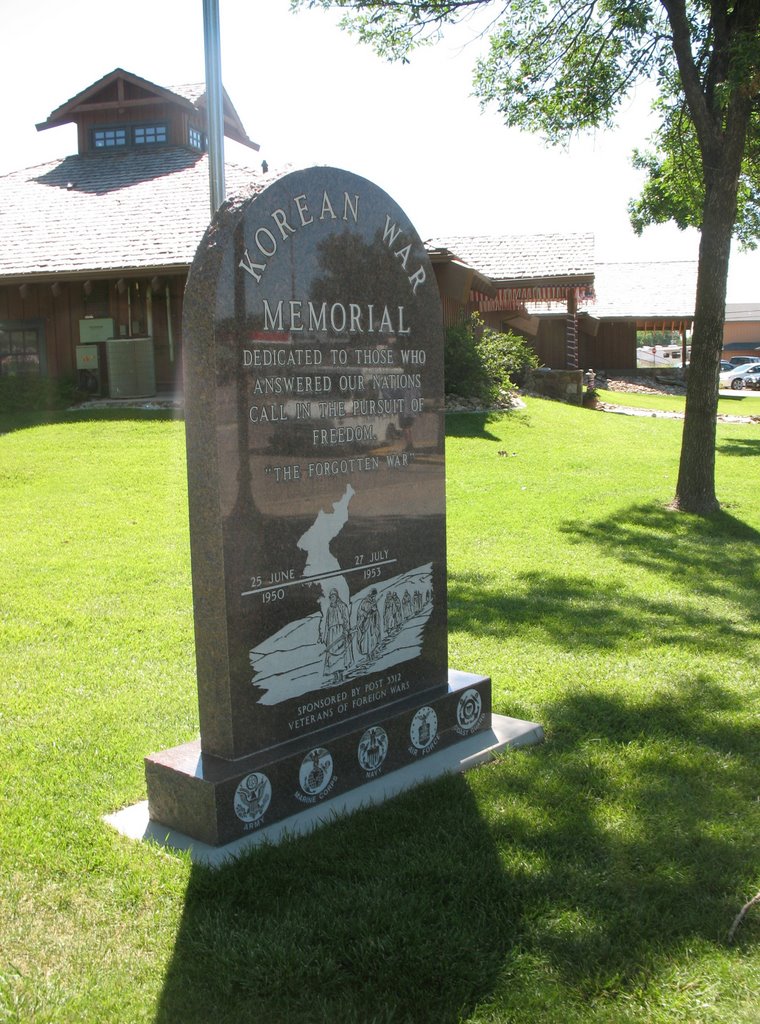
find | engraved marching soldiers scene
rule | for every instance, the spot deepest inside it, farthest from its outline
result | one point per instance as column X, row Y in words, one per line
column 351, row 635
column 349, row 651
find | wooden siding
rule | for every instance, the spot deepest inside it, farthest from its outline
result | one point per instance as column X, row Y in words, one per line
column 549, row 343
column 175, row 119
column 613, row 347
column 60, row 312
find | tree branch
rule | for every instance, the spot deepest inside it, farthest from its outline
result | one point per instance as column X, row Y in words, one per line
column 741, row 915
column 707, row 131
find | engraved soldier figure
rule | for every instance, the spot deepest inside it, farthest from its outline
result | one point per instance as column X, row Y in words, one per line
column 392, row 618
column 368, row 625
column 335, row 634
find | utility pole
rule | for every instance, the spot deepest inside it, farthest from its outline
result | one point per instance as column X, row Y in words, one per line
column 214, row 103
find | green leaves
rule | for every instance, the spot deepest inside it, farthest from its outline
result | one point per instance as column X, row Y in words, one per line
column 562, row 68
column 675, row 185
column 394, row 28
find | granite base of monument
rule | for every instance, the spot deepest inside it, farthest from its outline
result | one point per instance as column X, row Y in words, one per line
column 135, row 822
column 217, row 800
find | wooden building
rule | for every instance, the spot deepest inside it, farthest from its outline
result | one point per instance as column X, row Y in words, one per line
column 575, row 313
column 98, row 245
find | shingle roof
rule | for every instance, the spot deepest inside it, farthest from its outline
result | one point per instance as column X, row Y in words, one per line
column 126, row 211
column 645, row 290
column 524, row 257
column 192, row 91
column 742, row 312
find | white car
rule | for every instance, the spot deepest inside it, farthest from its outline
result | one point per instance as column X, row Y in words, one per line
column 734, row 379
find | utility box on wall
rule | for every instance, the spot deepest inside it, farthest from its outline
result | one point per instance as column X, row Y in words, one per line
column 131, row 368
column 90, row 362
column 95, row 328
column 87, row 357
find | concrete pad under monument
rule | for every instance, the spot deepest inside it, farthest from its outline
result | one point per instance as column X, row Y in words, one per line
column 316, row 476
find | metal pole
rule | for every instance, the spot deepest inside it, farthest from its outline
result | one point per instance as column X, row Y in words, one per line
column 214, row 103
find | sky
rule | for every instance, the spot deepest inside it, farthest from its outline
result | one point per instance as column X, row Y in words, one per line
column 309, row 94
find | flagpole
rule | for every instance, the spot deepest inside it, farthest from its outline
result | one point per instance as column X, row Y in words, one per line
column 214, row 103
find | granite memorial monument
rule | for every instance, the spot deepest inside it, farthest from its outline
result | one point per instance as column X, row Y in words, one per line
column 315, row 451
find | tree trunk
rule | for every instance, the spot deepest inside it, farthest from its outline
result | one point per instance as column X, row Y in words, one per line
column 695, row 490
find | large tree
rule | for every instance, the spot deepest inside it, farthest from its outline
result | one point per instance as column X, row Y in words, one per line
column 559, row 67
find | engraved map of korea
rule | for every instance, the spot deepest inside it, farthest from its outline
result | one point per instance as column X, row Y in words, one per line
column 350, row 634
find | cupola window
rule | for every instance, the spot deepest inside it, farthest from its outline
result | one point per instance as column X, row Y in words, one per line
column 197, row 139
column 106, row 138
column 129, row 135
column 148, row 134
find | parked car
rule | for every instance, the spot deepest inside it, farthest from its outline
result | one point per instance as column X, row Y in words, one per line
column 752, row 380
column 742, row 360
column 725, row 365
column 735, row 378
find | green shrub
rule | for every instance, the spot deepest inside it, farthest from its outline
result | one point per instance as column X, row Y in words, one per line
column 485, row 364
column 506, row 358
column 35, row 394
column 464, row 372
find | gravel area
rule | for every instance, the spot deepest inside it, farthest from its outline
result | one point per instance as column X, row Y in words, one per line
column 646, row 386
column 627, row 384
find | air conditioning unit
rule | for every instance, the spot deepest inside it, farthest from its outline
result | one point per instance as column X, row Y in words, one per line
column 131, row 368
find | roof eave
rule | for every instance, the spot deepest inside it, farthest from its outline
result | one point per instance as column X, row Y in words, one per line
column 64, row 276
column 560, row 281
column 242, row 138
column 65, row 113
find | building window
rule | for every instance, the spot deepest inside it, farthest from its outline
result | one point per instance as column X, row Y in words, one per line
column 129, row 135
column 148, row 134
column 105, row 138
column 197, row 139
column 21, row 350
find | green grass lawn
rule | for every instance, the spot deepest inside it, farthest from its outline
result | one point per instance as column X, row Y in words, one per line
column 591, row 879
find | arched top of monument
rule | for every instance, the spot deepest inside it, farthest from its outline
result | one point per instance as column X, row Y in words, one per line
column 323, row 175
column 312, row 233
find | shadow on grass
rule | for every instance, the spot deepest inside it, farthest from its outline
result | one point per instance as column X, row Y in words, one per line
column 28, row 420
column 740, row 446
column 714, row 555
column 475, row 424
column 401, row 913
column 633, row 817
column 583, row 613
column 551, row 878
